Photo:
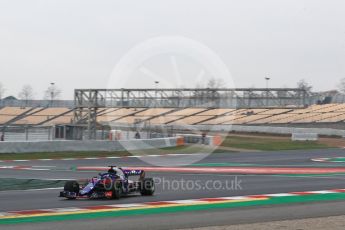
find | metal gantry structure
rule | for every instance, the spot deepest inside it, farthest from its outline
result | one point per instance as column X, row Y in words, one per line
column 88, row 101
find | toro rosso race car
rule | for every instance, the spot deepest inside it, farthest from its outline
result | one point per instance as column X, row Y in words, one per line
column 112, row 185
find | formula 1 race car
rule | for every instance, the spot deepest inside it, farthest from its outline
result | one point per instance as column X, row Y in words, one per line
column 112, row 185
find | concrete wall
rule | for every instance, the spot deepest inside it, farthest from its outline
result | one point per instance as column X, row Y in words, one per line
column 337, row 125
column 198, row 139
column 262, row 129
column 60, row 146
column 31, row 135
column 288, row 129
column 304, row 137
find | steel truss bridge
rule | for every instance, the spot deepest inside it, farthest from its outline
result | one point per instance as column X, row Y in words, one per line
column 88, row 101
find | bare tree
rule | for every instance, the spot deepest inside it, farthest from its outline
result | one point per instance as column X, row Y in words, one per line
column 209, row 94
column 2, row 90
column 26, row 94
column 216, row 83
column 52, row 93
column 341, row 85
column 303, row 84
column 213, row 83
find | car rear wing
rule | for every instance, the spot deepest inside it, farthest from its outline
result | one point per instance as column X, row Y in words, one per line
column 137, row 172
column 129, row 172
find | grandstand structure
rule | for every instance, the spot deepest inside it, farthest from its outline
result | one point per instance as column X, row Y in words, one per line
column 89, row 101
column 208, row 116
column 95, row 108
column 330, row 113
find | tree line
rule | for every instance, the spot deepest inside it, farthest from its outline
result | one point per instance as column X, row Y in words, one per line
column 52, row 93
column 27, row 93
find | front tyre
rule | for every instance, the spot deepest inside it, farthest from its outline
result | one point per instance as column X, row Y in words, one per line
column 147, row 187
column 71, row 187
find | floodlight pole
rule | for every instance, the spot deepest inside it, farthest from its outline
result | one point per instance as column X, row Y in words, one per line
column 267, row 93
column 156, row 93
column 51, row 93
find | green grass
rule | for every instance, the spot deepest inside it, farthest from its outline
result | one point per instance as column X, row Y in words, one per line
column 267, row 144
column 191, row 149
column 239, row 142
column 24, row 184
column 56, row 155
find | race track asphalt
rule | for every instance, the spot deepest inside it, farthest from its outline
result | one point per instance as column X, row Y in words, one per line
column 249, row 185
column 283, row 158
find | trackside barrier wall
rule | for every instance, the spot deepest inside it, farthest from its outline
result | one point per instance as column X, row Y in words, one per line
column 250, row 129
column 304, row 137
column 89, row 145
column 198, row 139
column 262, row 129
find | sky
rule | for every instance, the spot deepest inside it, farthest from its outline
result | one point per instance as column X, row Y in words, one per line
column 80, row 43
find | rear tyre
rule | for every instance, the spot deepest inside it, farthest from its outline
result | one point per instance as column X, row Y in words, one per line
column 73, row 187
column 147, row 187
column 117, row 190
